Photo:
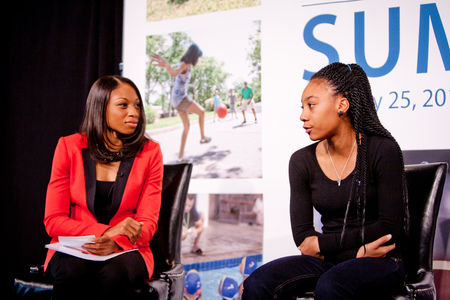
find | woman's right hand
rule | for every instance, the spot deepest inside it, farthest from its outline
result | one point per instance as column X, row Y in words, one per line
column 375, row 248
column 128, row 227
column 102, row 245
column 310, row 246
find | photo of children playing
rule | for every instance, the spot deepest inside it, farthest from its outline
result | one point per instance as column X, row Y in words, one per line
column 221, row 243
column 189, row 80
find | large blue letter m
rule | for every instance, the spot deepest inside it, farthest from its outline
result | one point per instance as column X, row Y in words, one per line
column 430, row 11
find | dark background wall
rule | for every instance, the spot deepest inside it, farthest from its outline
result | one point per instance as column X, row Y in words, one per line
column 55, row 50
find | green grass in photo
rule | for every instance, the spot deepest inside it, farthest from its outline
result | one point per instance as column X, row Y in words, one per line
column 158, row 10
column 167, row 122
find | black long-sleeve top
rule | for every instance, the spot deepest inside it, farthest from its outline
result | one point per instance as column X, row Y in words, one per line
column 310, row 187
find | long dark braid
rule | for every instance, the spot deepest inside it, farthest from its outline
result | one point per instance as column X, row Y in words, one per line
column 351, row 82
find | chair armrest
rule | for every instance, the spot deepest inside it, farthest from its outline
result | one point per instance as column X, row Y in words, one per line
column 37, row 269
column 168, row 284
column 424, row 288
column 176, row 271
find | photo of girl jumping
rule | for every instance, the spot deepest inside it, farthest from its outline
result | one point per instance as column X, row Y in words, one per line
column 180, row 100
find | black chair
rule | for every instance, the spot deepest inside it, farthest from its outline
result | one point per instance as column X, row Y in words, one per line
column 168, row 275
column 425, row 187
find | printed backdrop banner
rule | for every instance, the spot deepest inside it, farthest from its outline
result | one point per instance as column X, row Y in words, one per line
column 403, row 46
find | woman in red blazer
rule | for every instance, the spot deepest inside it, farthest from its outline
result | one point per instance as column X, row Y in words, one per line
column 106, row 181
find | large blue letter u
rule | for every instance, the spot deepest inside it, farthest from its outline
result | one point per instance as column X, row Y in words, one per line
column 394, row 44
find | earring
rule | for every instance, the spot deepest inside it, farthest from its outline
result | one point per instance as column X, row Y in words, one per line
column 341, row 113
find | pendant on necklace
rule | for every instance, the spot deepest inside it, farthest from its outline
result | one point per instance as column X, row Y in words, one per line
column 332, row 162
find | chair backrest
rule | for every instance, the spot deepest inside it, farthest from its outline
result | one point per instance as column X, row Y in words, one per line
column 166, row 243
column 425, row 187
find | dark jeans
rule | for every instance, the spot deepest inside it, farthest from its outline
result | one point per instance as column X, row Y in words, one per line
column 359, row 278
column 116, row 278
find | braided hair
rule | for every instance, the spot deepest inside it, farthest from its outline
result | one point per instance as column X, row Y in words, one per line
column 351, row 82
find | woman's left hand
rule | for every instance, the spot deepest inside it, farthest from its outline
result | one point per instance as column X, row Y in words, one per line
column 103, row 245
column 376, row 248
column 310, row 246
column 128, row 227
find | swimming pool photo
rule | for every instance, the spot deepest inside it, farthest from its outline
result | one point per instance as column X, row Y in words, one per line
column 211, row 274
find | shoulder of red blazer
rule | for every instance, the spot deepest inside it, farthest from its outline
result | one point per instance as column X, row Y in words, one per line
column 151, row 146
column 77, row 140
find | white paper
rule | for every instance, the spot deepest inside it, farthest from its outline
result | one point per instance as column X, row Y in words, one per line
column 75, row 241
column 83, row 253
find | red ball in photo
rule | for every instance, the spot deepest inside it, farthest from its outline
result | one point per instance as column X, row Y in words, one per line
column 222, row 111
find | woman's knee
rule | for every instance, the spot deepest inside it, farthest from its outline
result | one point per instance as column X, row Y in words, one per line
column 201, row 112
column 197, row 109
column 129, row 270
column 69, row 269
column 330, row 287
column 253, row 287
column 115, row 274
column 262, row 282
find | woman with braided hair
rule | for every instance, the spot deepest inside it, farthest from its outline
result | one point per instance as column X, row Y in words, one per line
column 354, row 177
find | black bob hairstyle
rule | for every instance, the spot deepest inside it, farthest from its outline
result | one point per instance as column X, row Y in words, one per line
column 192, row 54
column 95, row 127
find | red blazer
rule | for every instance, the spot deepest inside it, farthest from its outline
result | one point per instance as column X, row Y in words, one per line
column 69, row 208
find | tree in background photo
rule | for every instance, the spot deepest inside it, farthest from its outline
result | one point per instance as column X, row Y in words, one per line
column 158, row 10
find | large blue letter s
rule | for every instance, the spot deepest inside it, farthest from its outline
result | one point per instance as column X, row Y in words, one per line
column 317, row 45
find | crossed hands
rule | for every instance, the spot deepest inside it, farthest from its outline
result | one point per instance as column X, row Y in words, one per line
column 105, row 245
column 310, row 246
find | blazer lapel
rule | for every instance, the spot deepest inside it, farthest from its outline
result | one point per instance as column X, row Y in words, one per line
column 119, row 186
column 90, row 177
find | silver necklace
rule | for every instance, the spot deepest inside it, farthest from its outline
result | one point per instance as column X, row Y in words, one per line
column 332, row 162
